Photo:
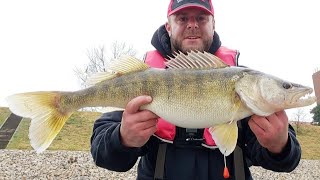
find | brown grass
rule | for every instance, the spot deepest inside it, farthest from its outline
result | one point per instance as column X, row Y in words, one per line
column 308, row 137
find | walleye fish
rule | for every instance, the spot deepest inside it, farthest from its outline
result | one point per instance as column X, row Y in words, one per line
column 197, row 90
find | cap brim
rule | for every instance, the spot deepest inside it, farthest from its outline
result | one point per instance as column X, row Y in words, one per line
column 186, row 6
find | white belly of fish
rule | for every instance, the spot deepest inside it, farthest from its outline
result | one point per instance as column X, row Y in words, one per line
column 196, row 115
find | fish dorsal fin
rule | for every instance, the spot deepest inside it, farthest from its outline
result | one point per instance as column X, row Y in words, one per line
column 195, row 60
column 124, row 65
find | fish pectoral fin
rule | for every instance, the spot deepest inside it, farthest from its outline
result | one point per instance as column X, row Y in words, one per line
column 46, row 119
column 195, row 60
column 225, row 137
column 123, row 65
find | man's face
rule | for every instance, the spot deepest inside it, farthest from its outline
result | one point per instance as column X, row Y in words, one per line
column 190, row 29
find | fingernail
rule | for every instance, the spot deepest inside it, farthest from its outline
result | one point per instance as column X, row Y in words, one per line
column 149, row 98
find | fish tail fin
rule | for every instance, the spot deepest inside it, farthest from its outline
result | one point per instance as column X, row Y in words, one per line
column 46, row 112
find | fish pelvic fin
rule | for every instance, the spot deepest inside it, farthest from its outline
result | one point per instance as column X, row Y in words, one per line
column 195, row 60
column 225, row 137
column 123, row 65
column 47, row 116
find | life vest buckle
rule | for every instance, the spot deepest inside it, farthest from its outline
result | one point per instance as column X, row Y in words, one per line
column 194, row 139
column 186, row 137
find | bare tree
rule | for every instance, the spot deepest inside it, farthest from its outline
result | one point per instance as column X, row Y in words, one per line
column 120, row 48
column 299, row 115
column 98, row 61
column 99, row 58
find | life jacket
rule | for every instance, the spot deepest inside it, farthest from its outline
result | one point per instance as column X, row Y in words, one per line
column 166, row 131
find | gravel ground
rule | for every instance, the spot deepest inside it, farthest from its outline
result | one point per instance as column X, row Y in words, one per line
column 21, row 164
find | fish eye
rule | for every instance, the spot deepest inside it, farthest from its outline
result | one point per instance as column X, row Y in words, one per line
column 287, row 85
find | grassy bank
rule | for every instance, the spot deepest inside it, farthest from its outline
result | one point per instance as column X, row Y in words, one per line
column 309, row 140
column 75, row 135
column 4, row 113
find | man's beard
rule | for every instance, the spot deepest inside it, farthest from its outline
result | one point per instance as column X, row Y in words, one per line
column 177, row 46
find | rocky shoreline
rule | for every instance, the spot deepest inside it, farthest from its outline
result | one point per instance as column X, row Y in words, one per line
column 24, row 164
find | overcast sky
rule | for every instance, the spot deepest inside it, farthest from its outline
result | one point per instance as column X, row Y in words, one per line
column 41, row 41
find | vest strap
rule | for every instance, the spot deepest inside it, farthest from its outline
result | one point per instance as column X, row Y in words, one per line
column 161, row 158
column 238, row 164
column 238, row 157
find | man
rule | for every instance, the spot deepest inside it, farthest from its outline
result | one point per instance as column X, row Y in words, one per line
column 168, row 152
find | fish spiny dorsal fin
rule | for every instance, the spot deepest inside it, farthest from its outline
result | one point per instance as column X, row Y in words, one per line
column 124, row 65
column 195, row 60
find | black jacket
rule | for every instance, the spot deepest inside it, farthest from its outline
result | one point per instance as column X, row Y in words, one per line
column 184, row 163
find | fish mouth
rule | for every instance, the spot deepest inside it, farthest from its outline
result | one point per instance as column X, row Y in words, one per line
column 304, row 98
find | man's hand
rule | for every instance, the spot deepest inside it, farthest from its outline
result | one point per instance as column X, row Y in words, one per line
column 137, row 125
column 271, row 131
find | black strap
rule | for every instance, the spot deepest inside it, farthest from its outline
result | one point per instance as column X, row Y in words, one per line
column 238, row 157
column 238, row 164
column 161, row 157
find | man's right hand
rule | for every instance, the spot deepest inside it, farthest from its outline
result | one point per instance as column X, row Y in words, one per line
column 137, row 126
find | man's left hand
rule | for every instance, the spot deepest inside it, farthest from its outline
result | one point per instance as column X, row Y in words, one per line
column 271, row 131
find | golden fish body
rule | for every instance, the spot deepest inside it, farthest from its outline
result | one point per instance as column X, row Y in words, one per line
column 191, row 99
column 197, row 91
